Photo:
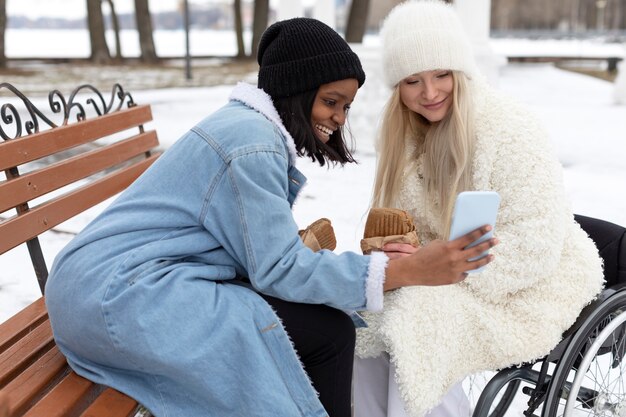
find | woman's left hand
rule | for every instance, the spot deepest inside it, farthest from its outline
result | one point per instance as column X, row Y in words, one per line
column 399, row 250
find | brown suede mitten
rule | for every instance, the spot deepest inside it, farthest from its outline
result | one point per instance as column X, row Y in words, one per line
column 387, row 225
column 319, row 235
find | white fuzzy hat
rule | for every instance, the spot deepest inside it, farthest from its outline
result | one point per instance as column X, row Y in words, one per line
column 424, row 36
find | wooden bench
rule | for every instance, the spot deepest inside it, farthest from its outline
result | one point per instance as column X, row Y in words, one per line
column 92, row 152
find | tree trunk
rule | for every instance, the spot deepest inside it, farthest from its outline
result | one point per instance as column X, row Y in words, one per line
column 241, row 49
column 501, row 14
column 357, row 21
column 261, row 16
column 583, row 16
column 116, row 29
column 144, row 27
column 95, row 20
column 3, row 25
column 615, row 13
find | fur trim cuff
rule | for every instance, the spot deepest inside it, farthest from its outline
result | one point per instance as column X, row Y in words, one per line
column 375, row 281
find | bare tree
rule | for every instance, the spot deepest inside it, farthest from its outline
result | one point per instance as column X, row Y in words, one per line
column 533, row 14
column 357, row 20
column 584, row 18
column 379, row 10
column 95, row 21
column 144, row 27
column 616, row 14
column 573, row 15
column 259, row 24
column 116, row 29
column 3, row 25
column 501, row 14
column 574, row 11
column 621, row 23
column 241, row 50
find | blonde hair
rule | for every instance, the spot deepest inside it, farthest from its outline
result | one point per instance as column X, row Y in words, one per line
column 448, row 148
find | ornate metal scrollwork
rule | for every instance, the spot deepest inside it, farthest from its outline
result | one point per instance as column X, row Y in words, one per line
column 80, row 100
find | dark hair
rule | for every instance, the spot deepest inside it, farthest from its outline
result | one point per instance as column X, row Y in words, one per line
column 295, row 112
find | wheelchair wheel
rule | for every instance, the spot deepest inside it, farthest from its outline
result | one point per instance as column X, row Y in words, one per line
column 507, row 398
column 590, row 377
column 498, row 404
column 499, row 395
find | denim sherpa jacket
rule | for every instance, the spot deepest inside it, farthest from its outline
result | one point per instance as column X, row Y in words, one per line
column 145, row 299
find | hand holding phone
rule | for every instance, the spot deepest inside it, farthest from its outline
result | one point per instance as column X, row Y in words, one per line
column 472, row 210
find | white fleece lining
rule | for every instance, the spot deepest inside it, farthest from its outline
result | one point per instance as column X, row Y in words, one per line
column 375, row 281
column 260, row 101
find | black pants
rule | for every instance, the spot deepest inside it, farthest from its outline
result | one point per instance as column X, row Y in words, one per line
column 324, row 340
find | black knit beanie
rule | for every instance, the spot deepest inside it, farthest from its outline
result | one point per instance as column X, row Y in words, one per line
column 300, row 54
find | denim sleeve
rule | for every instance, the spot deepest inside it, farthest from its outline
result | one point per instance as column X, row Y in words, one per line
column 252, row 216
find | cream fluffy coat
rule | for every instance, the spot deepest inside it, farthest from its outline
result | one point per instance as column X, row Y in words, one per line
column 545, row 270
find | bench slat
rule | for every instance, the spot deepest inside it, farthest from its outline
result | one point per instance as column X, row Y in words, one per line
column 40, row 182
column 28, row 387
column 35, row 378
column 25, row 351
column 71, row 394
column 111, row 403
column 4, row 405
column 19, row 151
column 22, row 323
column 44, row 217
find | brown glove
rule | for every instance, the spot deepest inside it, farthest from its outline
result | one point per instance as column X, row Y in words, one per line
column 387, row 225
column 319, row 235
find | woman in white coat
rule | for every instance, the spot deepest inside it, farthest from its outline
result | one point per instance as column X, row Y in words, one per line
column 445, row 131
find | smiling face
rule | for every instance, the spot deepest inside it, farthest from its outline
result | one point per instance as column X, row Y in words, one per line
column 331, row 105
column 428, row 93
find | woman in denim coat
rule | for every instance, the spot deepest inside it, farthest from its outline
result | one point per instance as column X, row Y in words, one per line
column 193, row 292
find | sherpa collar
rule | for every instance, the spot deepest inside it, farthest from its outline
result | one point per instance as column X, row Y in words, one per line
column 260, row 101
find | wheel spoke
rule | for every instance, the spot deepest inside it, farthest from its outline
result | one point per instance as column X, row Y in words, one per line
column 590, row 377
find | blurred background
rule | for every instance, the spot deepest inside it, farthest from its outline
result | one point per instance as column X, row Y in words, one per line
column 212, row 42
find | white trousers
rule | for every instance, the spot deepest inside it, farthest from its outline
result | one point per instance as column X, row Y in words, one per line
column 376, row 392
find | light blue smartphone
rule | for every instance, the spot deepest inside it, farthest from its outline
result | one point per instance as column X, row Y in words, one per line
column 472, row 210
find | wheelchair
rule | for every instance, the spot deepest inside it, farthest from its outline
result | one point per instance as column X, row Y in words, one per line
column 585, row 374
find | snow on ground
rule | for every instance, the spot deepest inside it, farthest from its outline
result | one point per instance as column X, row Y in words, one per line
column 587, row 129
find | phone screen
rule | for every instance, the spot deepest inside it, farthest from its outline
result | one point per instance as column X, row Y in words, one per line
column 472, row 210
